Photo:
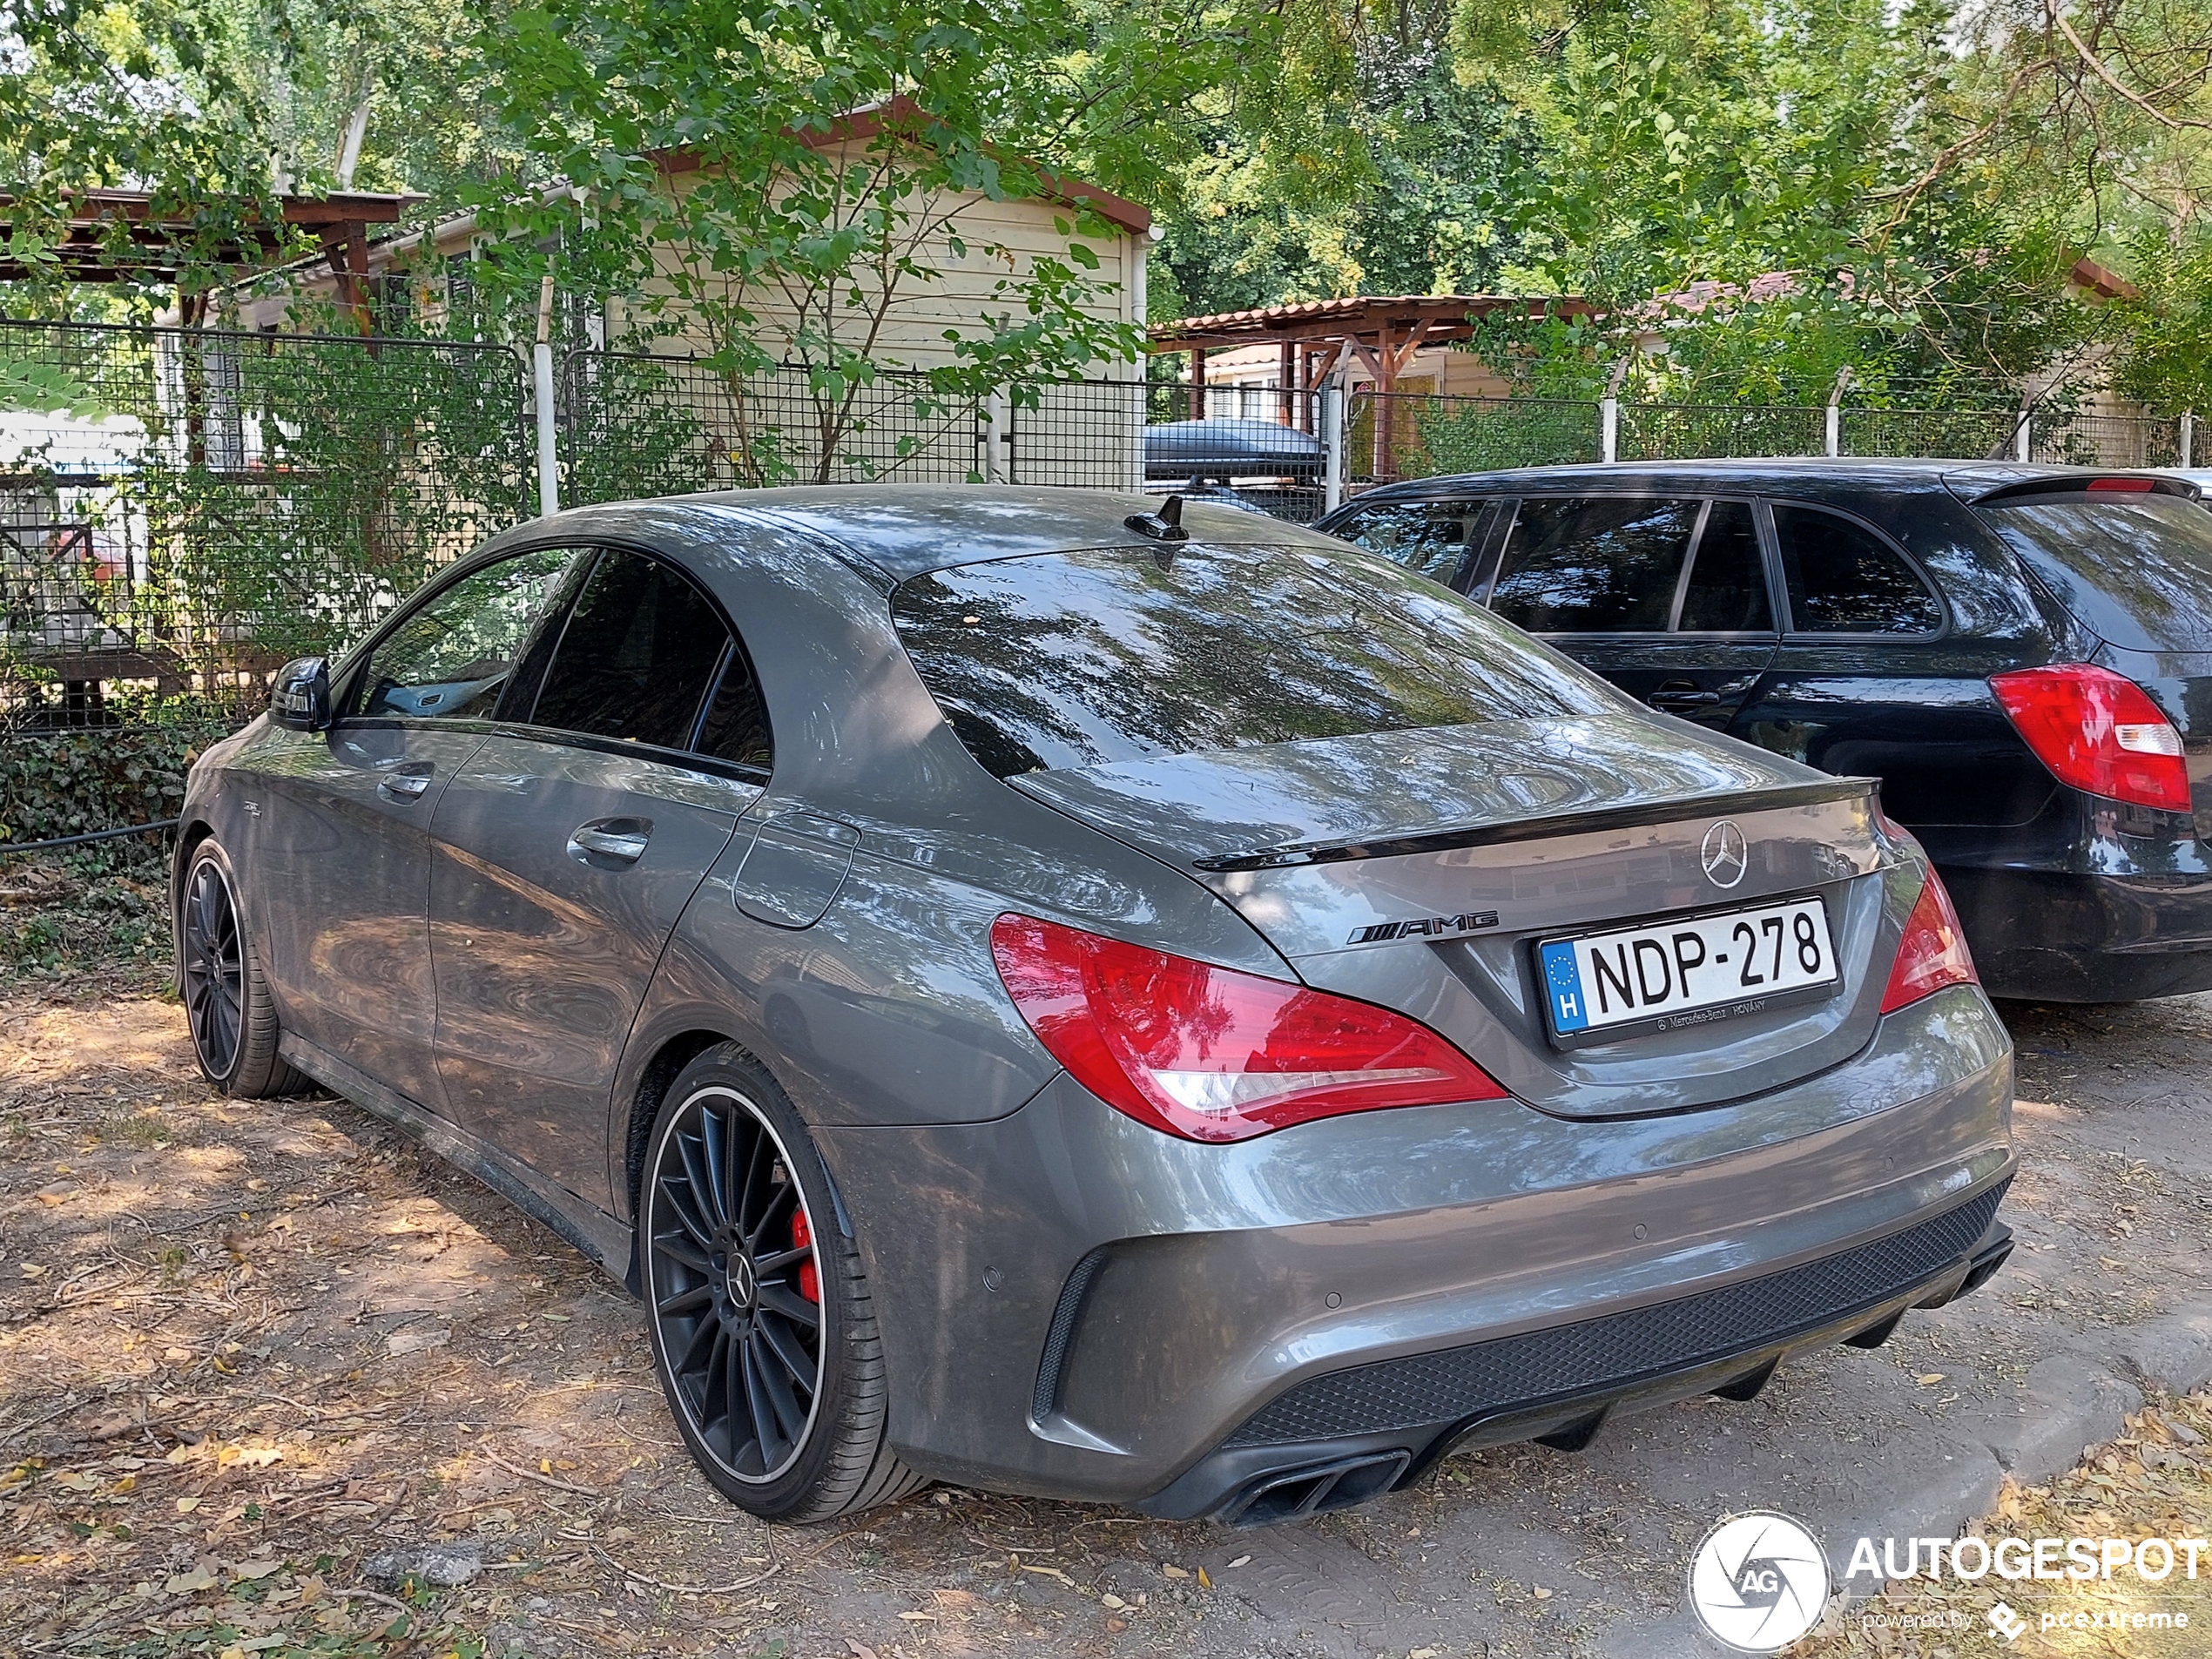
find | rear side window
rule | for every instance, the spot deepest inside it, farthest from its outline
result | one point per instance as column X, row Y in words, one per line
column 638, row 657
column 2136, row 570
column 1427, row 537
column 1593, row 564
column 1841, row 578
column 1074, row 659
column 1727, row 593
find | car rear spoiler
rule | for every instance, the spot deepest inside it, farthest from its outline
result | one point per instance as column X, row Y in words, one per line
column 2109, row 483
column 1531, row 829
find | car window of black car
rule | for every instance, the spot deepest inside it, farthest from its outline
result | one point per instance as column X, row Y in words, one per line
column 2136, row 570
column 1726, row 593
column 1841, row 578
column 1427, row 537
column 1594, row 563
column 451, row 658
column 635, row 660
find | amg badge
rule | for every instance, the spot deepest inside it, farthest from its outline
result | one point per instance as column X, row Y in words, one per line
column 1430, row 927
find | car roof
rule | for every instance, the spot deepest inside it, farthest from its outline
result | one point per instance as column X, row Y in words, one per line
column 1967, row 479
column 909, row 529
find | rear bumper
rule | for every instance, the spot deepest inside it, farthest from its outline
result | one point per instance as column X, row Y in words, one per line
column 2066, row 936
column 1074, row 1305
column 1347, row 1435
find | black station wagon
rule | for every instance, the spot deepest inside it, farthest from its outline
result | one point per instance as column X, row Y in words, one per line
column 2022, row 655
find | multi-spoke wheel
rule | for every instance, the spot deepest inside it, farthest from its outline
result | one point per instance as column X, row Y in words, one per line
column 226, row 1002
column 761, row 1324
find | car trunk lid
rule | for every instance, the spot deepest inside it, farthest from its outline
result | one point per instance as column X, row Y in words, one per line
column 1421, row 869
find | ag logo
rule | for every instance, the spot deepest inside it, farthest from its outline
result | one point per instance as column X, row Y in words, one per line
column 1758, row 1583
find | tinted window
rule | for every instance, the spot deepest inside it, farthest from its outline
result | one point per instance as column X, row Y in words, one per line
column 1727, row 590
column 2133, row 570
column 1073, row 659
column 735, row 727
column 1593, row 564
column 1426, row 537
column 636, row 657
column 1844, row 579
column 450, row 657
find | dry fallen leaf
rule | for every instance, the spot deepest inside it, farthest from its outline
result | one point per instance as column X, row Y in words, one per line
column 1242, row 1561
column 1111, row 1600
column 1542, row 1594
column 1929, row 1379
column 1175, row 1572
column 1204, row 1582
column 919, row 1618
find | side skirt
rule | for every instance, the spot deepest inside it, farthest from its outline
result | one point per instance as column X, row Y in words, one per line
column 605, row 1241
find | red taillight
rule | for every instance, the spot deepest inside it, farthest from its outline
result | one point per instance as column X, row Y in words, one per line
column 802, row 1237
column 2098, row 732
column 1931, row 954
column 1211, row 1053
column 2119, row 486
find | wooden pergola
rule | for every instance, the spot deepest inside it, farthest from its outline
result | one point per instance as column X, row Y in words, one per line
column 155, row 240
column 1381, row 331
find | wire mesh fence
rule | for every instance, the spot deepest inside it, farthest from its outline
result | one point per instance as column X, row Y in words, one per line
column 2093, row 440
column 1713, row 432
column 180, row 511
column 638, row 424
column 187, row 509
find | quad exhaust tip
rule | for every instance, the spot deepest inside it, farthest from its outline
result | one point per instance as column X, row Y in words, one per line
column 1296, row 1493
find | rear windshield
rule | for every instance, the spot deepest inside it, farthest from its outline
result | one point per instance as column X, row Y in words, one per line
column 1110, row 654
column 2136, row 570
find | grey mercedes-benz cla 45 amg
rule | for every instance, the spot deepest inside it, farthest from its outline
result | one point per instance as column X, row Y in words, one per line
column 1034, row 991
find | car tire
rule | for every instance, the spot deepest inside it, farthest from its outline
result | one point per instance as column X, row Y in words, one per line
column 227, row 1006
column 728, row 1166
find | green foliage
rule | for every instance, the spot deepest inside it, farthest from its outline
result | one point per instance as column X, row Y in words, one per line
column 714, row 170
column 2166, row 357
column 146, row 96
column 54, row 784
column 36, row 387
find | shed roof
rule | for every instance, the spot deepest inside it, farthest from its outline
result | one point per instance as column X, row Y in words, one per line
column 1437, row 316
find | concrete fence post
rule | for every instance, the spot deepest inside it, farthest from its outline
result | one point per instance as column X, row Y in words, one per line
column 549, row 431
column 1609, row 412
column 2188, row 437
column 1332, row 444
column 994, row 436
column 2024, row 437
column 1835, row 446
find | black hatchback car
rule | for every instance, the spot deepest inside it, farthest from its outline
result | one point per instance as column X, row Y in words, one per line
column 2022, row 655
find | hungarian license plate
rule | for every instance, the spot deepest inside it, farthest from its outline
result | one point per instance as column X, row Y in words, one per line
column 1663, row 975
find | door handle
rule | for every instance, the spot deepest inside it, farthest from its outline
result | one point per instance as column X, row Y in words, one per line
column 1678, row 696
column 410, row 785
column 620, row 839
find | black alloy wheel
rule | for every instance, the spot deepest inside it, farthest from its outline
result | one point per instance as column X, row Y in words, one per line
column 734, row 1284
column 213, row 956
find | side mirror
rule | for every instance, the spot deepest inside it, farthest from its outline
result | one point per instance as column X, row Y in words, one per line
column 301, row 700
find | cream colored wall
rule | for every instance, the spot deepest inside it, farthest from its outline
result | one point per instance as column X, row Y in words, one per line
column 1001, row 240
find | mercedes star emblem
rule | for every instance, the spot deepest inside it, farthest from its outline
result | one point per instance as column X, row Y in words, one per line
column 1725, row 854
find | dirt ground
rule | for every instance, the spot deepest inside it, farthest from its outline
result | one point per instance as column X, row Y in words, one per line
column 273, row 1382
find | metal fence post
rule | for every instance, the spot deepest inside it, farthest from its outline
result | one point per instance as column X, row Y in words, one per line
column 549, row 451
column 2188, row 437
column 1836, row 411
column 1332, row 444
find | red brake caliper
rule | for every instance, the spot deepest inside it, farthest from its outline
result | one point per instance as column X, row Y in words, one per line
column 802, row 1237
